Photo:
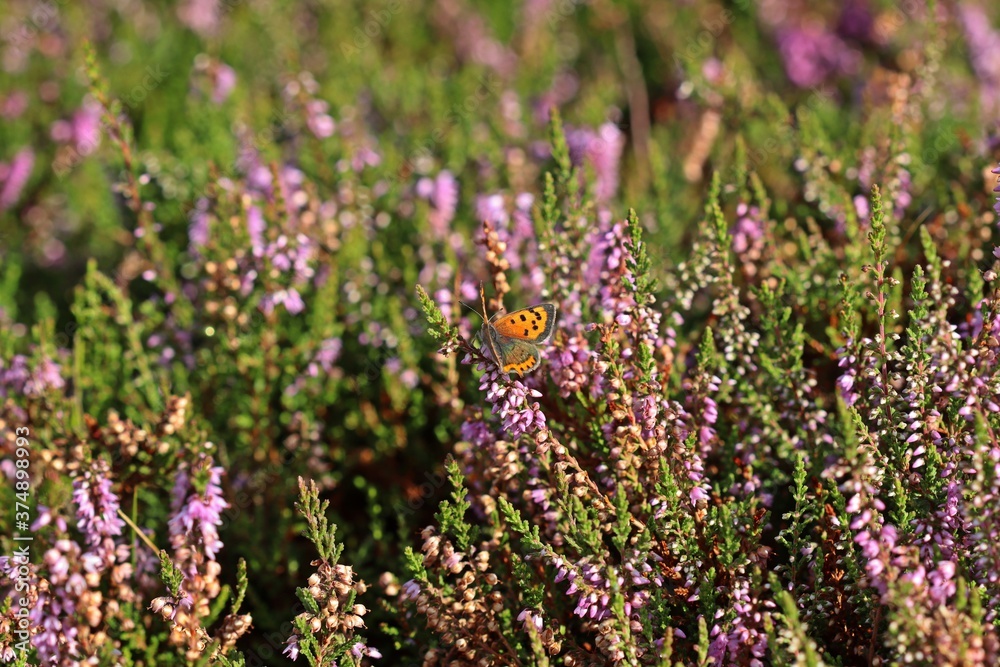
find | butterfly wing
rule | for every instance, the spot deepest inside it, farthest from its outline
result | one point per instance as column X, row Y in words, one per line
column 533, row 324
column 517, row 356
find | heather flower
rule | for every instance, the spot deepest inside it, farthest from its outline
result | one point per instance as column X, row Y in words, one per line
column 223, row 82
column 983, row 44
column 845, row 383
column 511, row 401
column 202, row 16
column 197, row 515
column 812, row 55
column 13, row 104
column 18, row 378
column 198, row 230
column 748, row 237
column 996, row 206
column 442, row 193
column 318, row 120
column 321, row 365
column 97, row 512
column 492, row 209
column 83, row 130
column 602, row 150
column 14, row 176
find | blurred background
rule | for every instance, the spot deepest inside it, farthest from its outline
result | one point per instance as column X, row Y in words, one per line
column 265, row 182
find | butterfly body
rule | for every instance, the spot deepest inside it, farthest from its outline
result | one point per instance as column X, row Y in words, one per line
column 513, row 337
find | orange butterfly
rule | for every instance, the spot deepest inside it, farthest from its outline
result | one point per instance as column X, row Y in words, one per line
column 512, row 337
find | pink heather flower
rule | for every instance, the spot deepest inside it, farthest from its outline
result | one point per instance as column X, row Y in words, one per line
column 510, row 401
column 46, row 517
column 748, row 232
column 529, row 618
column 861, row 207
column 86, row 125
column 97, row 511
column 983, row 43
column 292, row 648
column 365, row 157
column 198, row 232
column 17, row 378
column 477, row 433
column 256, row 226
column 197, row 517
column 812, row 54
column 202, row 16
column 602, row 150
column 845, row 383
column 410, row 590
column 359, row 650
column 492, row 208
column 319, row 122
column 442, row 193
column 223, row 83
column 13, row 105
column 14, row 176
column 996, row 206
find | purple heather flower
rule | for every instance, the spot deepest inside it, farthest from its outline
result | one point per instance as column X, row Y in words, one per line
column 589, row 582
column 365, row 157
column 477, row 433
column 13, row 105
column 46, row 517
column 492, row 208
column 18, row 378
column 198, row 233
column 812, row 54
column 510, row 400
column 197, row 517
column 83, row 129
column 223, row 83
column 571, row 366
column 292, row 648
column 359, row 650
column 996, row 206
column 845, row 383
column 202, row 16
column 320, row 123
column 97, row 511
column 861, row 207
column 442, row 192
column 410, row 590
column 14, row 176
column 602, row 150
column 256, row 226
column 529, row 617
column 856, row 21
column 748, row 231
column 289, row 298
column 87, row 128
column 983, row 43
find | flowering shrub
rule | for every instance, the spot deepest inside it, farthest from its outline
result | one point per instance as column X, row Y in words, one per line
column 246, row 420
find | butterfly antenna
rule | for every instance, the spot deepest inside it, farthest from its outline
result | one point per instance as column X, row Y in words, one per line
column 486, row 326
column 470, row 308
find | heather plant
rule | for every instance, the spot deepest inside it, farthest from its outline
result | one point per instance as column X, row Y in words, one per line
column 249, row 416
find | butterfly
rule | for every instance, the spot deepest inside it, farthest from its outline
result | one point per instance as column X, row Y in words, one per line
column 512, row 337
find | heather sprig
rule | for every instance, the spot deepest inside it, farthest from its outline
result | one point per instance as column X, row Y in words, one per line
column 326, row 631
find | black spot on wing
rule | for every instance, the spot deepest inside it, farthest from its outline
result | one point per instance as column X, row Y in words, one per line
column 526, row 332
column 523, row 318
